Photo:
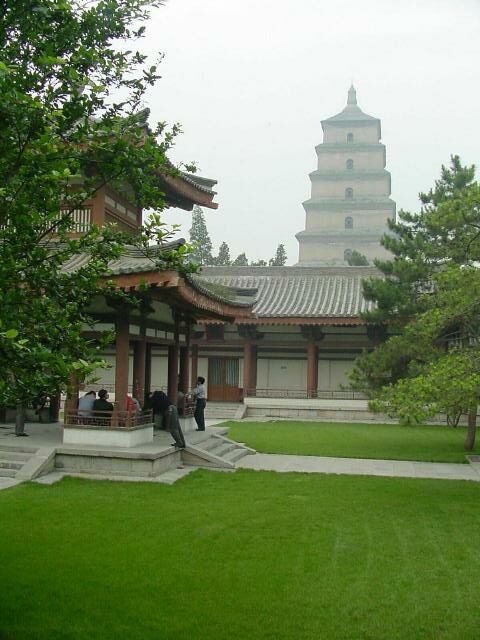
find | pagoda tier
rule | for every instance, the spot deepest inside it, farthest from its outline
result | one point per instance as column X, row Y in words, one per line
column 350, row 195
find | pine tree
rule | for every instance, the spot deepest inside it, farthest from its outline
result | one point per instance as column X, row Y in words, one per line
column 223, row 258
column 200, row 239
column 280, row 258
column 240, row 261
column 357, row 259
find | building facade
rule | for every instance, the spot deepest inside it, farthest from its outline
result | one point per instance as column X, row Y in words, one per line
column 350, row 195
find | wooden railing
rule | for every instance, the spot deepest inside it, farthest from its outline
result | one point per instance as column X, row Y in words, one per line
column 304, row 394
column 127, row 420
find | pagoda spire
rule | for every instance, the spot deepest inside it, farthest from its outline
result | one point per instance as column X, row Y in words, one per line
column 352, row 95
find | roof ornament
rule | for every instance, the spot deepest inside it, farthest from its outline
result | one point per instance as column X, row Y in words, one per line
column 352, row 95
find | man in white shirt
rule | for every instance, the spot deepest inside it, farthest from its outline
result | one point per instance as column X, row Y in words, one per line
column 200, row 404
column 85, row 403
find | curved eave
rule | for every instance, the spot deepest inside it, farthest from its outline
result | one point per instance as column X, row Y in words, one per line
column 172, row 288
column 184, row 194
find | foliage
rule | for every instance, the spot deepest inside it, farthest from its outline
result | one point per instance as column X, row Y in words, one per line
column 72, row 122
column 357, row 259
column 258, row 263
column 240, row 261
column 200, row 239
column 223, row 258
column 429, row 299
column 280, row 257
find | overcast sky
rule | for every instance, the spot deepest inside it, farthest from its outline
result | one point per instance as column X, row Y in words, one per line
column 250, row 82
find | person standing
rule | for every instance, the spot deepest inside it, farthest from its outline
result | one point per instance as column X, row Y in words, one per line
column 200, row 404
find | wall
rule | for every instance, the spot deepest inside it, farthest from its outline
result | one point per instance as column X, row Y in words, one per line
column 334, row 134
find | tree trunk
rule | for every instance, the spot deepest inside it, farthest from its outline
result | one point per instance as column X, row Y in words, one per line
column 472, row 429
column 20, row 420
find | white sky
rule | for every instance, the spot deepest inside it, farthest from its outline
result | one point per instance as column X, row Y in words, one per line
column 250, row 81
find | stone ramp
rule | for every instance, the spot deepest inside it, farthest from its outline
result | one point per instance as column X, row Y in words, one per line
column 212, row 449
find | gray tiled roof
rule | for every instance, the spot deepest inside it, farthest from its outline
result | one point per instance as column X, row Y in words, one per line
column 135, row 260
column 304, row 292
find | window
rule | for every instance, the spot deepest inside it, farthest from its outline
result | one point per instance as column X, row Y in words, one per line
column 349, row 222
column 215, row 332
column 347, row 254
column 349, row 193
column 349, row 137
column 349, row 164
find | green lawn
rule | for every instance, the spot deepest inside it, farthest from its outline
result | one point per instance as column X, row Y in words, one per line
column 344, row 440
column 249, row 555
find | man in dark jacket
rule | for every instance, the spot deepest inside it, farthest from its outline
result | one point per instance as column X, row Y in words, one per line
column 162, row 406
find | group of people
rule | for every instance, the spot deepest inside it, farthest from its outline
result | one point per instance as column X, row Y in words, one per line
column 165, row 413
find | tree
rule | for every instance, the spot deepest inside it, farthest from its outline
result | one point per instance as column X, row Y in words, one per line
column 280, row 257
column 357, row 259
column 258, row 263
column 200, row 239
column 430, row 298
column 223, row 258
column 63, row 137
column 240, row 261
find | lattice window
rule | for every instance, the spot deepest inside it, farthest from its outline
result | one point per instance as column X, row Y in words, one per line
column 349, row 193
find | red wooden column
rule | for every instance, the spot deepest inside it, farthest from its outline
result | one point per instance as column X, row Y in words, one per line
column 185, row 361
column 173, row 350
column 148, row 367
column 312, row 369
column 71, row 402
column 121, row 359
column 253, row 372
column 194, row 365
column 247, row 366
column 139, row 364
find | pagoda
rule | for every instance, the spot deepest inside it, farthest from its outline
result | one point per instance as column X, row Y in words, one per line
column 350, row 198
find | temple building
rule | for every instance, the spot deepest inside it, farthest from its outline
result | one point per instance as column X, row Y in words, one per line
column 267, row 332
column 350, row 196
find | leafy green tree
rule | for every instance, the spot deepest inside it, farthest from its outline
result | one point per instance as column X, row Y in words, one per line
column 223, row 258
column 63, row 137
column 357, row 259
column 200, row 239
column 258, row 263
column 430, row 299
column 280, row 257
column 240, row 261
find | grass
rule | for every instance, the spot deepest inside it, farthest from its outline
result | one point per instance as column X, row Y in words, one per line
column 250, row 555
column 345, row 440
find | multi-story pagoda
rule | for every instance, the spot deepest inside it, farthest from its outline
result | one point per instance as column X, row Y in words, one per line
column 350, row 201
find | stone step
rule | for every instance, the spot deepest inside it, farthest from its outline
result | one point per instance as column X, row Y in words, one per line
column 17, row 449
column 6, row 454
column 209, row 444
column 10, row 464
column 235, row 454
column 223, row 449
column 7, row 473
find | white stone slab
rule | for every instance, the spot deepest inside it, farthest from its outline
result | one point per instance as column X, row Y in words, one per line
column 108, row 437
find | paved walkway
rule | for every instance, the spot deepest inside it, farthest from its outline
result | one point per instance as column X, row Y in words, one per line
column 361, row 467
column 51, row 435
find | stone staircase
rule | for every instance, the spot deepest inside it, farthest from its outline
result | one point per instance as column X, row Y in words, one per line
column 20, row 463
column 222, row 410
column 207, row 449
column 13, row 460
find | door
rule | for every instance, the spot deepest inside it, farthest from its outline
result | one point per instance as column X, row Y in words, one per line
column 223, row 380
